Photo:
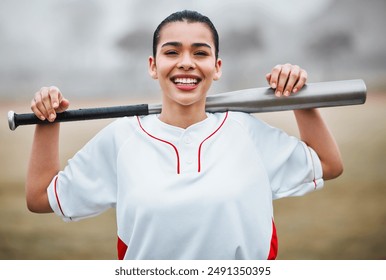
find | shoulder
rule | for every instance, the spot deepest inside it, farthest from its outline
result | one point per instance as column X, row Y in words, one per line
column 117, row 126
column 247, row 121
column 256, row 128
column 116, row 132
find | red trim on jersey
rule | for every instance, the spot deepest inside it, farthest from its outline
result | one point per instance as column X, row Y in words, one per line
column 274, row 244
column 313, row 168
column 199, row 149
column 164, row 141
column 122, row 248
column 57, row 197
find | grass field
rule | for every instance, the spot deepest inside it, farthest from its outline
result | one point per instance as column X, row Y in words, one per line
column 345, row 220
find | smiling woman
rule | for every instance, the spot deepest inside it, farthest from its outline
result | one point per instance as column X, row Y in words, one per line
column 186, row 184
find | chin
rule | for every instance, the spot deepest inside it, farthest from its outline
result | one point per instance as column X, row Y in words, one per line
column 189, row 99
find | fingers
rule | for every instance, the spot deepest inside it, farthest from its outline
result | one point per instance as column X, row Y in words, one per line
column 268, row 78
column 301, row 80
column 47, row 102
column 286, row 79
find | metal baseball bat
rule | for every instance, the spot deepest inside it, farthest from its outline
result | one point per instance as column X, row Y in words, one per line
column 255, row 100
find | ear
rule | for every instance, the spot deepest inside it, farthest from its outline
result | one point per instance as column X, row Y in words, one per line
column 218, row 70
column 152, row 69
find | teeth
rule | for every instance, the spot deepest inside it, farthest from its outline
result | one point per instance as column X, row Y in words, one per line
column 185, row 81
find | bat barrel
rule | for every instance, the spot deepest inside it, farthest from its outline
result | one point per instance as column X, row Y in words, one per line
column 312, row 95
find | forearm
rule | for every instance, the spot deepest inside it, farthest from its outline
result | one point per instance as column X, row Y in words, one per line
column 44, row 164
column 316, row 134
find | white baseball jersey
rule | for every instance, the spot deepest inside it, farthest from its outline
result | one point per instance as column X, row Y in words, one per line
column 204, row 192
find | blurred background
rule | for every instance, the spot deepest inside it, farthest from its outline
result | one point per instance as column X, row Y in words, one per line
column 96, row 52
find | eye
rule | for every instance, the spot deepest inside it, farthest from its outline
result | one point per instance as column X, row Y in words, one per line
column 171, row 52
column 201, row 53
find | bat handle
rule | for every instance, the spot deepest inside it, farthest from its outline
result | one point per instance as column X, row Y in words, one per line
column 14, row 120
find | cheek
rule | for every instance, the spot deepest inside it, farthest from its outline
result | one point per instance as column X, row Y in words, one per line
column 163, row 67
column 209, row 66
column 211, row 72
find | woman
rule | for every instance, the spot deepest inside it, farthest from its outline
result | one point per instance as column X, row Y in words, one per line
column 186, row 184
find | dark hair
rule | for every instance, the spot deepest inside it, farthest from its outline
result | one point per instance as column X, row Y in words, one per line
column 190, row 17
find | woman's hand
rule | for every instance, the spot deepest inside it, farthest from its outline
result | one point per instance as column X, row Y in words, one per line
column 47, row 102
column 286, row 79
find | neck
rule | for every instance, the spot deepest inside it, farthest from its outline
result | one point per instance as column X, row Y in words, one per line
column 182, row 116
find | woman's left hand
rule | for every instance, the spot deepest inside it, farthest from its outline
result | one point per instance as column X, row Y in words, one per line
column 286, row 79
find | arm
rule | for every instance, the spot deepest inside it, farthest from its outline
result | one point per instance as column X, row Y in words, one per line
column 315, row 133
column 44, row 159
column 287, row 79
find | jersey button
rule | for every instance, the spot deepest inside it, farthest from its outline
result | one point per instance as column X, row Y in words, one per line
column 187, row 139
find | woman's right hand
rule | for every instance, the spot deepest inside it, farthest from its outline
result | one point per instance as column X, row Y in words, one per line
column 47, row 102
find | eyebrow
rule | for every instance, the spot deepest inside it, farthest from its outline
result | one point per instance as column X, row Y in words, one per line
column 178, row 44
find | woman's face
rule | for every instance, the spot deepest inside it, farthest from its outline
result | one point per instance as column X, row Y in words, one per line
column 185, row 63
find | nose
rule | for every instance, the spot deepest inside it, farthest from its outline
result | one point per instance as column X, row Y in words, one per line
column 186, row 62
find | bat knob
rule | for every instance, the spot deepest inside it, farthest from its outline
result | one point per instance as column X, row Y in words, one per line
column 11, row 120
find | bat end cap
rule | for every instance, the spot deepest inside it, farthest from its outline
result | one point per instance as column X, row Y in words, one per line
column 11, row 120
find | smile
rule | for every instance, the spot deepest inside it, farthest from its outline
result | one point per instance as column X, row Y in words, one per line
column 185, row 81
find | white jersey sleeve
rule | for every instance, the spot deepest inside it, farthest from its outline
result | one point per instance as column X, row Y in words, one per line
column 293, row 168
column 88, row 184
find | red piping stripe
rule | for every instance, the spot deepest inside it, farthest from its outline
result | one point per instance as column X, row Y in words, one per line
column 164, row 141
column 57, row 197
column 313, row 168
column 274, row 244
column 199, row 149
column 122, row 248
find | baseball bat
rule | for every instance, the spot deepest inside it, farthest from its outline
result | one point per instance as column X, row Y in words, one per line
column 255, row 100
